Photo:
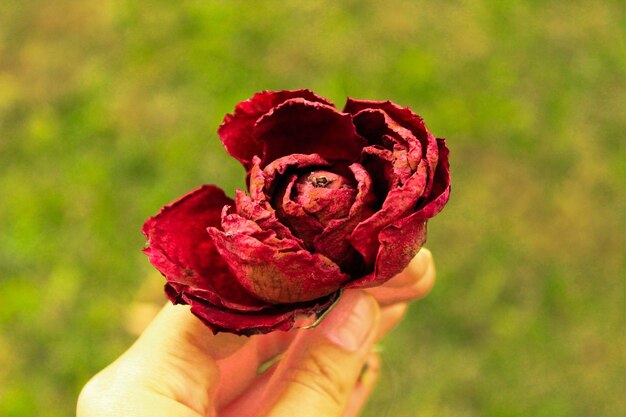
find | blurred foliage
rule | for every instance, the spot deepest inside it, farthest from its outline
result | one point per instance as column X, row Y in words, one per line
column 108, row 110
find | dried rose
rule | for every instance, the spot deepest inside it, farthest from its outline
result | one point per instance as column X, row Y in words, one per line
column 335, row 200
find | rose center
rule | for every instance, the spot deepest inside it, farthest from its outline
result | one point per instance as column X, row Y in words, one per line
column 325, row 195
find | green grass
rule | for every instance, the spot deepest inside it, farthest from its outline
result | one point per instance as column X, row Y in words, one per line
column 108, row 110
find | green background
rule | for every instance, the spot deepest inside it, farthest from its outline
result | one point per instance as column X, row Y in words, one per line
column 109, row 108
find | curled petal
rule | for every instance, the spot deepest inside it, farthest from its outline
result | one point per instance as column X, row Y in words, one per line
column 181, row 249
column 333, row 241
column 274, row 276
column 257, row 180
column 399, row 202
column 273, row 172
column 264, row 216
column 406, row 118
column 374, row 124
column 240, row 322
column 440, row 192
column 305, row 226
column 233, row 224
column 380, row 129
column 400, row 241
column 236, row 129
column 379, row 164
column 298, row 126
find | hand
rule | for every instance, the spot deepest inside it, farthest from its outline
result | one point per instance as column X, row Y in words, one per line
column 177, row 368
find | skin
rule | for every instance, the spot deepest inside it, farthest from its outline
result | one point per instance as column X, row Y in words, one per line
column 177, row 368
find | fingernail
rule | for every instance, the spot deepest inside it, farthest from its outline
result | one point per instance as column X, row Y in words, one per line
column 351, row 327
column 369, row 369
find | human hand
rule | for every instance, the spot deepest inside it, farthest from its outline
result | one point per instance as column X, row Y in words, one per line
column 177, row 368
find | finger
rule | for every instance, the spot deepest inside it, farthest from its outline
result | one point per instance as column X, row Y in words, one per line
column 242, row 369
column 184, row 351
column 321, row 368
column 364, row 387
column 390, row 317
column 251, row 400
column 414, row 282
column 175, row 358
column 175, row 331
column 245, row 386
column 100, row 398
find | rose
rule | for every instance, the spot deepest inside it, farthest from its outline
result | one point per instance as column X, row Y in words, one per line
column 335, row 200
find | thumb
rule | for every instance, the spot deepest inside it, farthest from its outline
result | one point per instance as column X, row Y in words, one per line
column 321, row 369
column 175, row 358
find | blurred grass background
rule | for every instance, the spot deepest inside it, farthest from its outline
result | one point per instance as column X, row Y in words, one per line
column 108, row 110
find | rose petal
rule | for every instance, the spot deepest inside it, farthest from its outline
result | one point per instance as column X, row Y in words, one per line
column 278, row 318
column 180, row 247
column 274, row 276
column 303, row 225
column 236, row 129
column 401, row 241
column 398, row 203
column 298, row 126
column 326, row 204
column 263, row 182
column 233, row 224
column 405, row 117
column 333, row 241
column 440, row 193
column 380, row 129
column 379, row 164
column 264, row 216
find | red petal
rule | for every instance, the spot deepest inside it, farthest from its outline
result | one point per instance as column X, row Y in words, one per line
column 379, row 164
column 264, row 216
column 274, row 276
column 298, row 126
column 401, row 241
column 233, row 224
column 304, row 225
column 380, row 129
column 180, row 247
column 438, row 196
column 405, row 117
column 272, row 173
column 236, row 129
column 333, row 242
column 278, row 318
column 399, row 203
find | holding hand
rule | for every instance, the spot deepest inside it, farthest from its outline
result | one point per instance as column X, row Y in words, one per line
column 177, row 368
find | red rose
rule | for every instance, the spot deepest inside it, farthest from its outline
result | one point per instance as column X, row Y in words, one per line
column 335, row 200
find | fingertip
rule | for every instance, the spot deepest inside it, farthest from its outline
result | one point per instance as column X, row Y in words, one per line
column 427, row 281
column 390, row 317
column 405, row 287
column 420, row 264
column 351, row 322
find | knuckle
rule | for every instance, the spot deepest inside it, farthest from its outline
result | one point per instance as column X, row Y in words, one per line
column 89, row 402
column 102, row 395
